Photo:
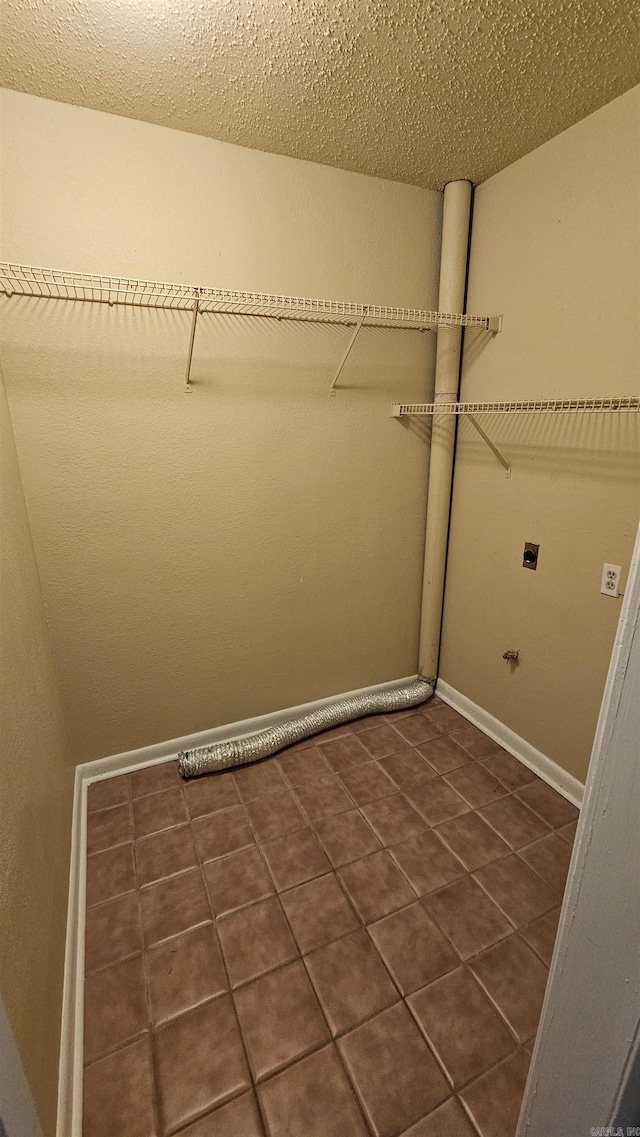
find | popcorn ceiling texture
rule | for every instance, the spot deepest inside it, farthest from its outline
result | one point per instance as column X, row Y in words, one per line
column 415, row 92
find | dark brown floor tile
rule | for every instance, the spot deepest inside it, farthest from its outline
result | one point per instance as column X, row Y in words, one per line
column 443, row 754
column 158, row 811
column 427, row 862
column 109, row 827
column 407, row 768
column 367, row 723
column 475, row 784
column 153, row 779
column 397, row 716
column 549, row 857
column 416, row 728
column 193, row 1072
column 367, row 783
column 475, row 742
column 173, row 906
column 343, row 753
column 568, row 832
column 375, row 886
column 303, row 766
column 210, row 794
column 516, row 824
column 413, row 948
column 323, row 797
column 280, row 1018
column 318, row 912
column 110, row 874
column 311, row 1099
column 350, row 981
column 165, row 853
column 255, row 940
column 517, row 890
column 471, row 840
column 468, row 916
column 541, row 934
column 494, row 1100
column 115, row 1007
column 445, row 718
column 395, row 1075
column 274, row 815
column 107, row 792
column 382, row 740
column 258, row 780
column 394, row 819
column 461, row 1025
column 184, row 972
column 224, row 832
column 515, row 979
column 304, row 744
column 237, row 880
column 508, row 770
column 129, row 1112
column 436, row 801
column 295, row 858
column 238, row 1118
column 112, row 932
column 346, row 837
column 335, row 732
column 448, row 1120
column 549, row 804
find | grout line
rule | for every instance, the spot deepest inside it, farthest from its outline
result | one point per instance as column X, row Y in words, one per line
column 241, row 1037
column 152, row 1048
column 351, row 1084
column 497, row 902
column 520, row 1042
column 130, row 1041
column 123, row 959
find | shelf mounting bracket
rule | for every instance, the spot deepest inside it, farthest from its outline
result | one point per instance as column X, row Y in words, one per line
column 503, row 461
column 332, row 389
column 194, row 319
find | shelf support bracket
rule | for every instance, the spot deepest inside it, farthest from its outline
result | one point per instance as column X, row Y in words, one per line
column 194, row 319
column 503, row 461
column 332, row 389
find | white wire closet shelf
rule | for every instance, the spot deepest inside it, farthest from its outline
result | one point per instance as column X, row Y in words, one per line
column 609, row 405
column 59, row 284
column 522, row 406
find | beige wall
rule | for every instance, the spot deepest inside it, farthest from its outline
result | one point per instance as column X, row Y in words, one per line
column 555, row 248
column 37, row 782
column 255, row 544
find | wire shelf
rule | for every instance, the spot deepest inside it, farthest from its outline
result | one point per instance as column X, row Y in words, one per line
column 58, row 284
column 521, row 407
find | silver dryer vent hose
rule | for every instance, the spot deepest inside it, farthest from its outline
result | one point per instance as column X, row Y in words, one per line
column 227, row 755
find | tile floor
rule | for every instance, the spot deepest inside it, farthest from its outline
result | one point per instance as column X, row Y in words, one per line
column 351, row 938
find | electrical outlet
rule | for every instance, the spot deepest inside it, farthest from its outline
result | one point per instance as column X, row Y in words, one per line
column 610, row 583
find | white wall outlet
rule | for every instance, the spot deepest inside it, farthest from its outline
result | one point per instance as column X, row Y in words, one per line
column 610, row 583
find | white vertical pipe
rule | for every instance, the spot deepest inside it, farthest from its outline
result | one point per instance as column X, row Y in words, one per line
column 453, row 274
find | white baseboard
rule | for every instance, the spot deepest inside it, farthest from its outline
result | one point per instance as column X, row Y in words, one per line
column 69, row 1122
column 166, row 751
column 547, row 769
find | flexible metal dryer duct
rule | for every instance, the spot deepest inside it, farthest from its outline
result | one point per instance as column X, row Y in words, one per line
column 227, row 755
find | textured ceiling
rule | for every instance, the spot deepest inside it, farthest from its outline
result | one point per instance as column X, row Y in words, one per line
column 420, row 92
